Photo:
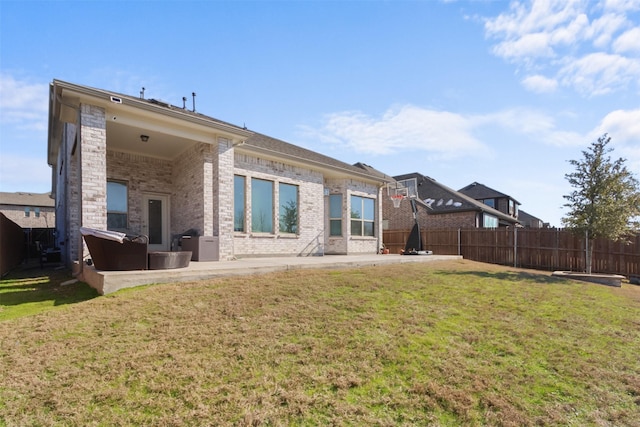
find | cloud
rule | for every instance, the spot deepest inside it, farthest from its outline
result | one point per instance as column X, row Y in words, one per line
column 592, row 48
column 405, row 128
column 623, row 126
column 600, row 73
column 23, row 104
column 540, row 84
column 629, row 41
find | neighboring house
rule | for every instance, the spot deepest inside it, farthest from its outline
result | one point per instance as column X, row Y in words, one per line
column 29, row 210
column 530, row 221
column 440, row 207
column 490, row 197
column 143, row 166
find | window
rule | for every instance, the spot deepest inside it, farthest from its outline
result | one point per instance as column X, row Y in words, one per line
column 26, row 212
column 239, row 208
column 335, row 215
column 261, row 206
column 490, row 202
column 288, row 200
column 362, row 216
column 37, row 212
column 117, row 210
column 489, row 221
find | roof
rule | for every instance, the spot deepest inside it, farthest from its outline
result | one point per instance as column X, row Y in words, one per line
column 442, row 199
column 527, row 217
column 266, row 144
column 244, row 139
column 480, row 191
column 27, row 199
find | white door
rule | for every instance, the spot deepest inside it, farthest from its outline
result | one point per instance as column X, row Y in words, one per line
column 155, row 221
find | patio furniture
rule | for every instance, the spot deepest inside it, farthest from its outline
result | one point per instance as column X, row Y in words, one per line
column 111, row 250
column 162, row 260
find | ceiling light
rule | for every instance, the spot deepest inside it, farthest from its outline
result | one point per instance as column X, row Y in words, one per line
column 144, row 138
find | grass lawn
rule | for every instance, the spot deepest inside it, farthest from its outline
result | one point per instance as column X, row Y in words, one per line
column 442, row 343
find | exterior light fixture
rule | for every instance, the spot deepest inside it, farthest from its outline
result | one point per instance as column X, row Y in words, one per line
column 144, row 138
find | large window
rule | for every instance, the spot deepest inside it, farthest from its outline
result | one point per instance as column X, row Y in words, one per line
column 288, row 213
column 117, row 206
column 239, row 210
column 489, row 221
column 261, row 206
column 362, row 216
column 335, row 215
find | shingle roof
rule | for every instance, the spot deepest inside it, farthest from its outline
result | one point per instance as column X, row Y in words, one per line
column 27, row 199
column 479, row 191
column 442, row 199
column 255, row 141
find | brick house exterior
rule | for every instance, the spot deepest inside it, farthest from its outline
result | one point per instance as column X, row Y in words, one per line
column 439, row 206
column 172, row 171
column 29, row 210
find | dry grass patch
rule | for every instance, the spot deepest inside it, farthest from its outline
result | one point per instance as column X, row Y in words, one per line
column 437, row 343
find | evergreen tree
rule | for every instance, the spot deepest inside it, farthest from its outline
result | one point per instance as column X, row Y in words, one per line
column 606, row 200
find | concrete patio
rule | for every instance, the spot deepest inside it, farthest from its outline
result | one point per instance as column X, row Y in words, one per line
column 106, row 282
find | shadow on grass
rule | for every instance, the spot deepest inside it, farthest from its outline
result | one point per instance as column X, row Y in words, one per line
column 510, row 276
column 32, row 284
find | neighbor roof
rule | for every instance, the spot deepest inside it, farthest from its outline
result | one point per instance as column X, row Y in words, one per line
column 442, row 199
column 27, row 199
column 480, row 191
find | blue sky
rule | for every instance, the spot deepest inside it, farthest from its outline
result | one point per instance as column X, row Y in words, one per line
column 499, row 92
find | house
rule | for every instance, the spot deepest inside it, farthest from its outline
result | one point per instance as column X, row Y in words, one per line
column 439, row 206
column 35, row 214
column 29, row 210
column 490, row 197
column 530, row 221
column 144, row 166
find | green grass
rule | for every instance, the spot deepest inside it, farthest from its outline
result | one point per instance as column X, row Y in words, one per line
column 456, row 343
column 31, row 289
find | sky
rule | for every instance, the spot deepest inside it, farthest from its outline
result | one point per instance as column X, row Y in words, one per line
column 503, row 93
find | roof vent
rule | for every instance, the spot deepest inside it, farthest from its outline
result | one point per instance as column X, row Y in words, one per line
column 116, row 100
column 160, row 103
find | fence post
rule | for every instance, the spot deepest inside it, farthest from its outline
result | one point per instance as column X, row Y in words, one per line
column 459, row 242
column 515, row 246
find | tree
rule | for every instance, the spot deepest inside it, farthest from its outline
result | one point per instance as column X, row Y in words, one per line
column 606, row 199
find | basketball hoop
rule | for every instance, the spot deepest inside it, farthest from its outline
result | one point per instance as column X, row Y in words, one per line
column 396, row 199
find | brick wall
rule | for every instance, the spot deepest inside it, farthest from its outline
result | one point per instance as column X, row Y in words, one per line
column 223, row 170
column 402, row 218
column 46, row 218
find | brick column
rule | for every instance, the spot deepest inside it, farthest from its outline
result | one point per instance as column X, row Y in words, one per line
column 223, row 214
column 93, row 167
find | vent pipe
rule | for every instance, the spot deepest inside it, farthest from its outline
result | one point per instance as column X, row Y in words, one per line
column 193, row 94
column 142, row 93
column 184, row 102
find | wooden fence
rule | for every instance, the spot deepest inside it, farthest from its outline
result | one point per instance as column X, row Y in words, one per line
column 543, row 249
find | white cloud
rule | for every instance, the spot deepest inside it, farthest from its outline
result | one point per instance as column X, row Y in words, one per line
column 597, row 43
column 629, row 41
column 540, row 84
column 23, row 104
column 600, row 73
column 400, row 129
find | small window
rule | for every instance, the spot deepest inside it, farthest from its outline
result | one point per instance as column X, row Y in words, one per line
column 26, row 212
column 362, row 216
column 288, row 197
column 117, row 206
column 335, row 215
column 37, row 212
column 239, row 208
column 490, row 202
column 261, row 206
